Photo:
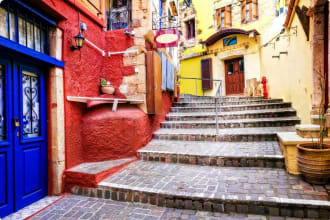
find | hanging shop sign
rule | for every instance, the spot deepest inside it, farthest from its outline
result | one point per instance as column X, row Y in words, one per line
column 167, row 38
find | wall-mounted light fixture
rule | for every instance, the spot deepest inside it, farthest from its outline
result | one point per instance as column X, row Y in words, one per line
column 79, row 39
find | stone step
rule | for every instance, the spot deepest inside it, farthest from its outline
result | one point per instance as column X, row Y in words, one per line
column 91, row 173
column 228, row 154
column 224, row 98
column 91, row 208
column 219, row 189
column 226, row 134
column 200, row 116
column 238, row 123
column 224, row 103
column 229, row 108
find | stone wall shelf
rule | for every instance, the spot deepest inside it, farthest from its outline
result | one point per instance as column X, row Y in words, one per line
column 99, row 100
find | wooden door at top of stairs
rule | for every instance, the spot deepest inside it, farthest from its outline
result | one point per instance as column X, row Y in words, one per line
column 234, row 76
column 23, row 138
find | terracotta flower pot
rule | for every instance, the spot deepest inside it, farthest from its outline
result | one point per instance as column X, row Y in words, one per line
column 108, row 89
column 314, row 163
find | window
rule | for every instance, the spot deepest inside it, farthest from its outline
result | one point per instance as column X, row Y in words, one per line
column 223, row 17
column 190, row 29
column 119, row 14
column 249, row 11
column 27, row 31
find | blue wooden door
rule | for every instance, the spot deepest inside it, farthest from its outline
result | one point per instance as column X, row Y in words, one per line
column 27, row 138
column 6, row 140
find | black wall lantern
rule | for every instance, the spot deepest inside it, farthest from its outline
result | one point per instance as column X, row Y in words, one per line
column 79, row 39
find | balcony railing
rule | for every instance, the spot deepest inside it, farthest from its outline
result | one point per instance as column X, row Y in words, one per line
column 164, row 22
column 118, row 18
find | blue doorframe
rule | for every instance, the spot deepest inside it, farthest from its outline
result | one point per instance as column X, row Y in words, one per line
column 24, row 153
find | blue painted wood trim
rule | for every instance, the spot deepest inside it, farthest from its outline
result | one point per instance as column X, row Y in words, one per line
column 31, row 53
column 28, row 8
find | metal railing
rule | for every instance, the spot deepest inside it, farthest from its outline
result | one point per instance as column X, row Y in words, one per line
column 217, row 99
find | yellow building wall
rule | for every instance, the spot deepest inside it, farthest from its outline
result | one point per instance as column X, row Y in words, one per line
column 246, row 47
column 290, row 76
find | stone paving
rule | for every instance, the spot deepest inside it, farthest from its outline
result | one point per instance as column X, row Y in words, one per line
column 221, row 149
column 249, row 184
column 31, row 209
column 77, row 207
column 231, row 131
column 182, row 114
column 253, row 122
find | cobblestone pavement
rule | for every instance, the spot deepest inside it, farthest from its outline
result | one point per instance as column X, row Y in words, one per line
column 230, row 183
column 78, row 207
column 31, row 209
column 229, row 149
column 212, row 131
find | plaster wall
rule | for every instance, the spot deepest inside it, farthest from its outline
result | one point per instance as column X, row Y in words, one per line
column 291, row 76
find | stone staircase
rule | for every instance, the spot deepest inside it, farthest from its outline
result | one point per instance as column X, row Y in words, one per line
column 241, row 169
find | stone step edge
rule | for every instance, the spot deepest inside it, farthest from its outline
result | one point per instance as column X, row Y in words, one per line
column 234, row 121
column 228, row 203
column 261, row 101
column 231, row 106
column 196, row 114
column 218, row 138
column 266, row 161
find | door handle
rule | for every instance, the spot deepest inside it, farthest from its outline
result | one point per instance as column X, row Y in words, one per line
column 16, row 122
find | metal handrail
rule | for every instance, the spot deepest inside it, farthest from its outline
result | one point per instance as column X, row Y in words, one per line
column 218, row 96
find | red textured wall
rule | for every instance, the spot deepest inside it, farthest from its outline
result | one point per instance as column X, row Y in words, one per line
column 112, row 135
column 86, row 130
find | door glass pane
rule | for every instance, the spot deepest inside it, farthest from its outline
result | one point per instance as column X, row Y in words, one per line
column 3, row 23
column 29, row 27
column 21, row 31
column 2, row 103
column 43, row 41
column 241, row 65
column 37, row 38
column 230, row 67
column 31, row 110
column 12, row 26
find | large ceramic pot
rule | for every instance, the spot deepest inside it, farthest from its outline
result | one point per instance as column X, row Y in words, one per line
column 314, row 162
column 108, row 89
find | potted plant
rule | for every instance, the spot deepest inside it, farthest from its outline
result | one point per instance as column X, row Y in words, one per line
column 106, row 87
column 314, row 158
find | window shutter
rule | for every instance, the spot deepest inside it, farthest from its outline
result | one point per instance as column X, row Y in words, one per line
column 255, row 14
column 228, row 16
column 206, row 68
column 243, row 4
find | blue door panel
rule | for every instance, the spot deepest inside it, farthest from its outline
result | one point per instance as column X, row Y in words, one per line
column 31, row 145
column 32, row 169
column 6, row 140
column 3, row 179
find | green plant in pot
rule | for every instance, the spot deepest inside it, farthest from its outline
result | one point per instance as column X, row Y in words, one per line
column 314, row 158
column 106, row 87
